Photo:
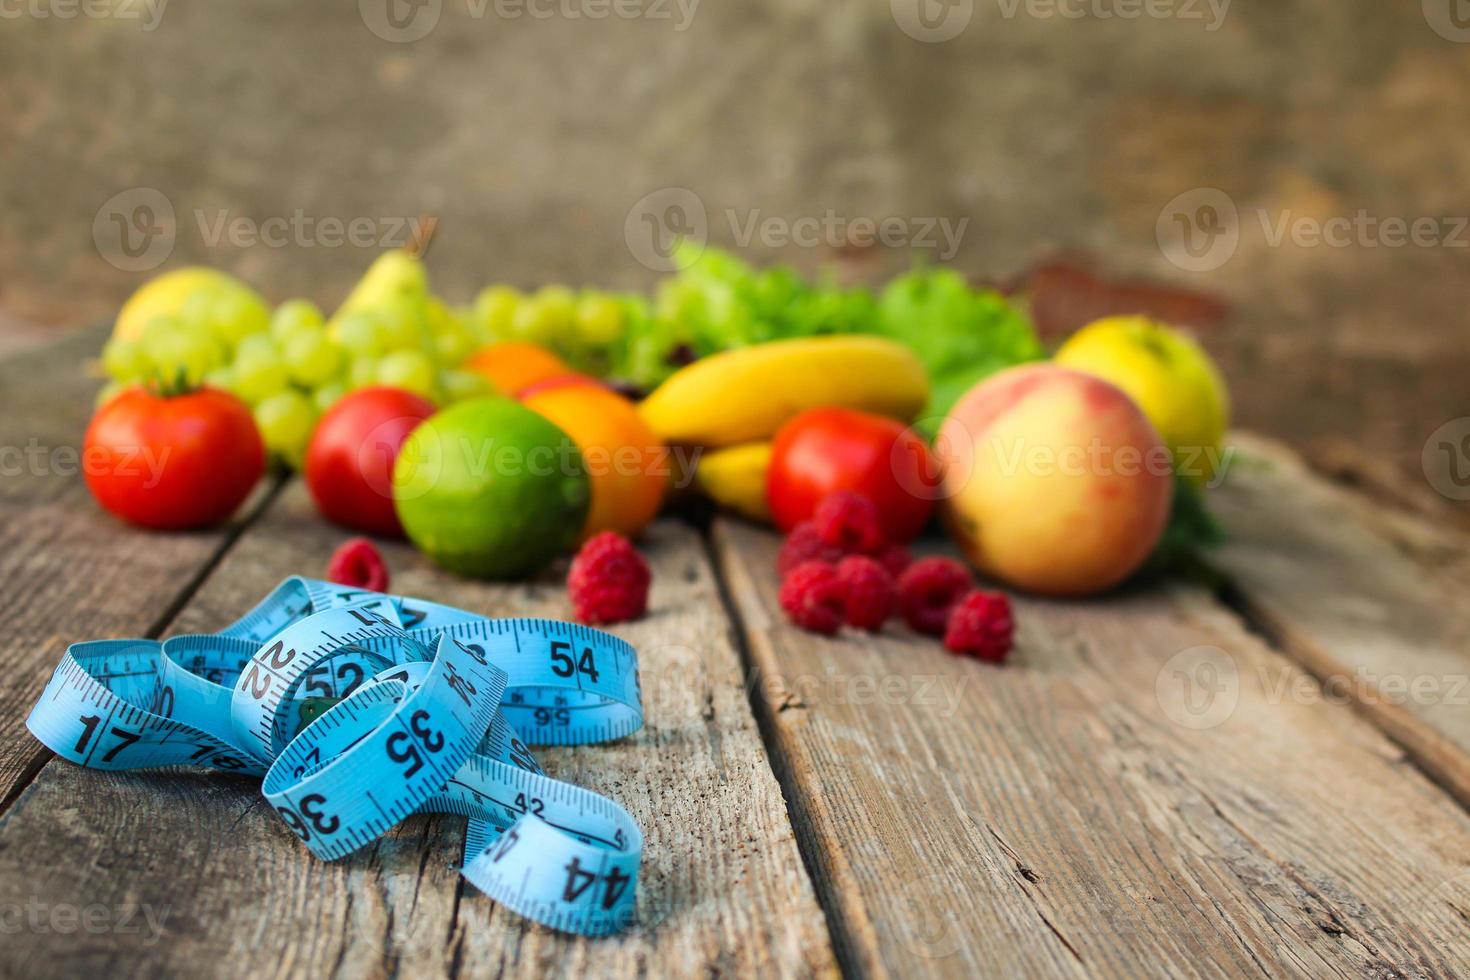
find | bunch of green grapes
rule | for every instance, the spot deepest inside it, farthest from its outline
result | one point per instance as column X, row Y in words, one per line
column 588, row 329
column 293, row 365
column 182, row 350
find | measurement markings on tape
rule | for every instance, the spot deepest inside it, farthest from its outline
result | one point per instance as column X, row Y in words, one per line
column 360, row 708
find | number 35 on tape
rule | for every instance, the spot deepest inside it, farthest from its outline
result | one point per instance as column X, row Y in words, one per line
column 360, row 708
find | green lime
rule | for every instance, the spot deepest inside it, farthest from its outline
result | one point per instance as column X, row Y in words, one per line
column 489, row 488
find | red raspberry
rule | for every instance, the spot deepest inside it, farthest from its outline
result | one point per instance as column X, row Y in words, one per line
column 608, row 581
column 980, row 624
column 804, row 544
column 896, row 559
column 870, row 592
column 814, row 598
column 849, row 521
column 927, row 589
column 357, row 563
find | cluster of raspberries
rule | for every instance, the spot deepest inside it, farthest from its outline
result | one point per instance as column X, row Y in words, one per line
column 839, row 568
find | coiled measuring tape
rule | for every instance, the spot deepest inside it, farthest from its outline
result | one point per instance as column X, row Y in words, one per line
column 359, row 708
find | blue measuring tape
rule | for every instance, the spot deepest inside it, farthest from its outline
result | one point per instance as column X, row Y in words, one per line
column 360, row 708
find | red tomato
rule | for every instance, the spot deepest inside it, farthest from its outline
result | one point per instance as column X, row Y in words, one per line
column 828, row 449
column 172, row 462
column 349, row 463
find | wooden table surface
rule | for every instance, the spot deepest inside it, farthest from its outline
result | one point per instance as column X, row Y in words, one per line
column 1266, row 775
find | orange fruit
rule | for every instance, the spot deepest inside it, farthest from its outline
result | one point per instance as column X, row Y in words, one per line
column 560, row 381
column 627, row 464
column 511, row 365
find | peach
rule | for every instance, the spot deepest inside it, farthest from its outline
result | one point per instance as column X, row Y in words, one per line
column 1054, row 481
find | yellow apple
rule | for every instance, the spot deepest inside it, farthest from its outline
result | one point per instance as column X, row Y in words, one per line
column 1170, row 377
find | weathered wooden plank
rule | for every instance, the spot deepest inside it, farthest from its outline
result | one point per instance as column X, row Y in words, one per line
column 723, row 887
column 1147, row 789
column 18, row 336
column 68, row 571
column 1371, row 600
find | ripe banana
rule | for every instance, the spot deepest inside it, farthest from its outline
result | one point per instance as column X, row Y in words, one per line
column 746, row 394
column 735, row 478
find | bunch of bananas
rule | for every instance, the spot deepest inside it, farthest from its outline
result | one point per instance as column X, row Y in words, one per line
column 732, row 403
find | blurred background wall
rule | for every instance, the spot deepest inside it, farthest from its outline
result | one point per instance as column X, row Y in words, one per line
column 1180, row 142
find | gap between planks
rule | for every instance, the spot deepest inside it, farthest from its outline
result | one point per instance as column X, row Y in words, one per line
column 841, row 816
column 821, row 864
column 1344, row 574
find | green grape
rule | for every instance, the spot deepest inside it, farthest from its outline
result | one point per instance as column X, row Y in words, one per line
column 410, row 370
column 258, row 344
column 125, row 360
column 403, row 326
column 259, row 374
column 436, row 314
column 494, row 311
column 178, row 354
column 459, row 385
column 222, row 378
column 292, row 317
column 235, row 316
column 312, row 359
column 285, row 421
column 599, row 319
column 328, row 395
column 453, row 343
column 547, row 316
column 359, row 334
column 362, row 373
